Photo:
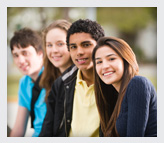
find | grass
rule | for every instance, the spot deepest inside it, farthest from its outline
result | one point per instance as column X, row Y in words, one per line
column 12, row 87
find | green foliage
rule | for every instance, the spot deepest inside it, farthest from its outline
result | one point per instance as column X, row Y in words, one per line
column 127, row 19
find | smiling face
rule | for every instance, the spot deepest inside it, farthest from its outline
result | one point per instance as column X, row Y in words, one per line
column 56, row 49
column 109, row 66
column 28, row 61
column 81, row 46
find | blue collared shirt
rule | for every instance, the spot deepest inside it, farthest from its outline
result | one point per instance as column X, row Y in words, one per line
column 25, row 96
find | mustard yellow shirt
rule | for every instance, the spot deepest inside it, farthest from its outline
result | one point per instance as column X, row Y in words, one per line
column 85, row 117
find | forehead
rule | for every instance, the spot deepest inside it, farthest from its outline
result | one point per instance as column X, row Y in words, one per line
column 104, row 51
column 78, row 38
column 20, row 49
column 55, row 34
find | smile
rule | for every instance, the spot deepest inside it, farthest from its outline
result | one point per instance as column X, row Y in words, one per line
column 81, row 61
column 56, row 58
column 24, row 68
column 107, row 73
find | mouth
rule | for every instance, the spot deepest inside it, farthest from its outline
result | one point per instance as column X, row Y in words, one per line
column 56, row 58
column 81, row 61
column 24, row 68
column 107, row 73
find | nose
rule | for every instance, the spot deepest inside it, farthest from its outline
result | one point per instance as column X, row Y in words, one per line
column 80, row 51
column 55, row 48
column 105, row 64
column 21, row 59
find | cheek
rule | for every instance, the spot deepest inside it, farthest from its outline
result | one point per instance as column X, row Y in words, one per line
column 67, row 56
column 121, row 69
column 35, row 61
column 91, row 51
column 16, row 61
column 65, row 51
column 98, row 70
column 47, row 52
column 72, row 54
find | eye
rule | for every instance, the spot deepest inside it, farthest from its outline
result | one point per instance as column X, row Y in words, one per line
column 25, row 53
column 111, row 59
column 86, row 45
column 60, row 44
column 72, row 47
column 49, row 45
column 98, row 62
column 15, row 56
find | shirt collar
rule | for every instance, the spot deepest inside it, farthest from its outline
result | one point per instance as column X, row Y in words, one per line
column 80, row 80
column 79, row 77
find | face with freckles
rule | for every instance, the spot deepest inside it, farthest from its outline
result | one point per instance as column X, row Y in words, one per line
column 109, row 66
column 81, row 46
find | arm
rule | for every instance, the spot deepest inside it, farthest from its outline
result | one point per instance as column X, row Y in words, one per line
column 138, row 100
column 20, row 123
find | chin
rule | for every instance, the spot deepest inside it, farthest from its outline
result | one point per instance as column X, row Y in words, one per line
column 82, row 68
column 106, row 82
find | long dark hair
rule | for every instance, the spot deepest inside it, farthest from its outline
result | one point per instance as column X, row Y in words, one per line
column 104, row 93
column 51, row 73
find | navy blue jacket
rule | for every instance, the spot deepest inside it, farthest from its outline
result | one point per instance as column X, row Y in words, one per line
column 138, row 114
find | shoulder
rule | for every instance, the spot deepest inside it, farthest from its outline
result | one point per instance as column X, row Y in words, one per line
column 140, row 86
column 66, row 78
column 139, row 81
column 25, row 80
column 69, row 74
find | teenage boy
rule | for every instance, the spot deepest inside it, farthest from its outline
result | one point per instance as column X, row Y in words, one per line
column 71, row 107
column 26, row 48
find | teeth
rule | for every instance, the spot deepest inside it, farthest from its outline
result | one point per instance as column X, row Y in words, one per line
column 56, row 56
column 81, row 60
column 107, row 73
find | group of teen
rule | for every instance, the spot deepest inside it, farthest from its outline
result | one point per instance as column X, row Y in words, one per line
column 81, row 84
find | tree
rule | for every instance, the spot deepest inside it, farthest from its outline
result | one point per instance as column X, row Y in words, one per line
column 128, row 21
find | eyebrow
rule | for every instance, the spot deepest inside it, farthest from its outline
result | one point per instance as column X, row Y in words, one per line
column 80, row 43
column 71, row 44
column 48, row 42
column 105, row 56
column 24, row 50
column 55, row 41
column 85, row 42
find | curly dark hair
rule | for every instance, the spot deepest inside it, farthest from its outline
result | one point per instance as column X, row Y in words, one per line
column 26, row 37
column 86, row 26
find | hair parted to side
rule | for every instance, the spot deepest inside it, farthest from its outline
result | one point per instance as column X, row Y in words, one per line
column 26, row 37
column 105, row 93
column 51, row 73
column 86, row 26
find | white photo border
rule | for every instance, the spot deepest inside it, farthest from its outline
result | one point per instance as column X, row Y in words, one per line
column 78, row 3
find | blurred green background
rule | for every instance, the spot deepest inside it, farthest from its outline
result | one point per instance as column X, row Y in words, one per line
column 136, row 25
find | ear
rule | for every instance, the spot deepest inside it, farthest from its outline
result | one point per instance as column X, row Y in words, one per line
column 40, row 53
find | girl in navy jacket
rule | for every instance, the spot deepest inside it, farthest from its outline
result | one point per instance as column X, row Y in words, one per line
column 127, row 103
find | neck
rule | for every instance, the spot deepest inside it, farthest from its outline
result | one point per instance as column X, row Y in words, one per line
column 35, row 75
column 87, row 76
column 62, row 69
column 117, row 86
